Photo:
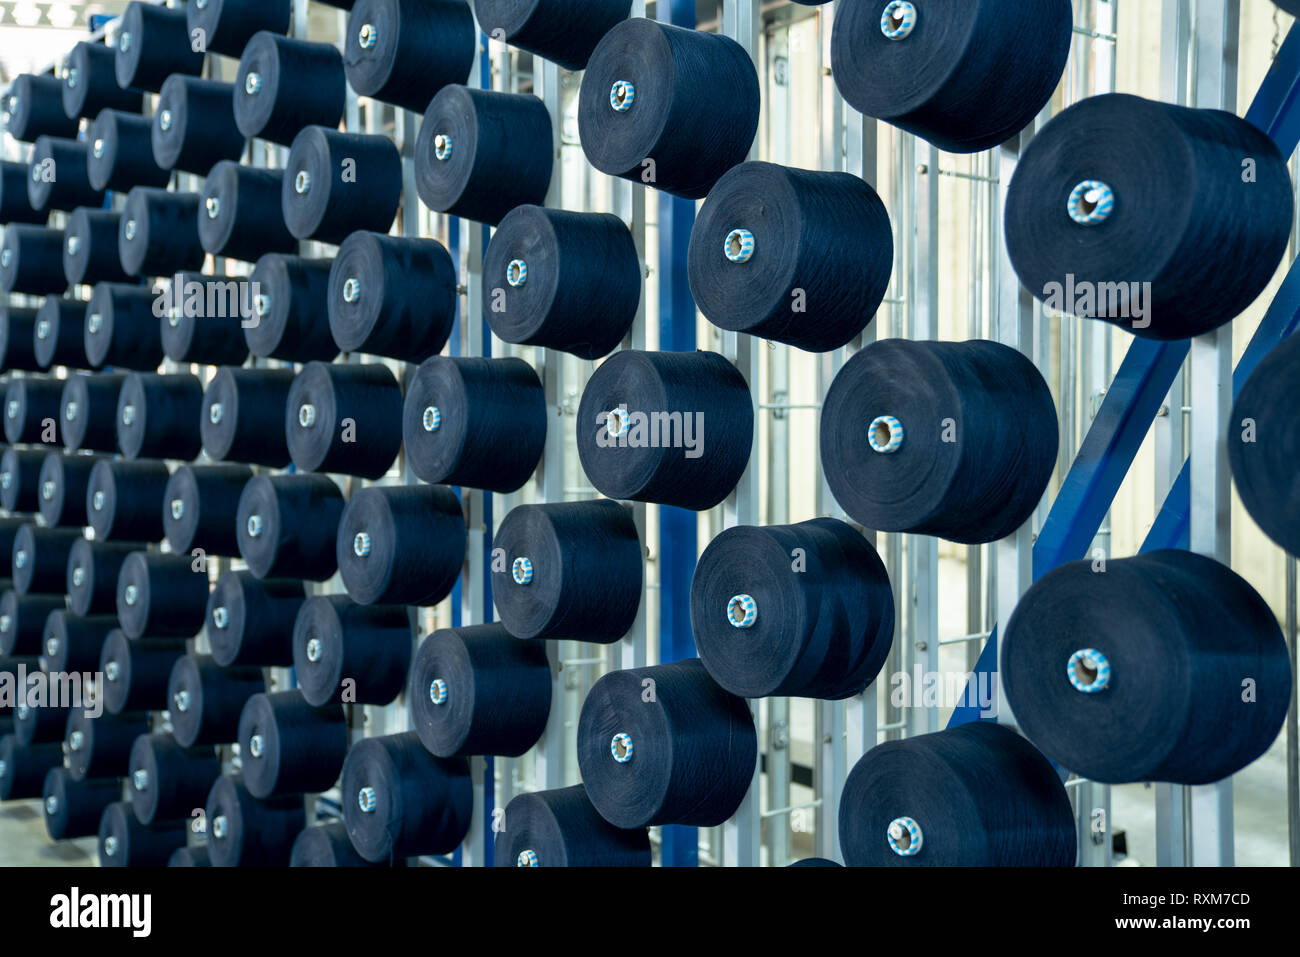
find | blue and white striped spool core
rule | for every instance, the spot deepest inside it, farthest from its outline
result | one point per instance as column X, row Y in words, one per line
column 1090, row 203
column 527, row 859
column 620, row 746
column 905, row 838
column 438, row 691
column 617, row 421
column 742, row 611
column 739, row 245
column 898, row 19
column 442, row 146
column 366, row 799
column 885, row 434
column 621, row 95
column 521, row 570
column 432, row 419
column 1088, row 670
column 517, row 272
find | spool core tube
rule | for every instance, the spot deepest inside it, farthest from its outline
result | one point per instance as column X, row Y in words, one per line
column 1091, row 202
column 898, row 20
column 885, row 434
column 1088, row 670
column 905, row 837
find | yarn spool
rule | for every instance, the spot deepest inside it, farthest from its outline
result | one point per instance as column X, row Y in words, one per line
column 160, row 232
column 121, row 152
column 294, row 84
column 573, row 571
column 369, row 646
column 475, row 422
column 244, row 831
column 124, row 841
column 60, row 335
column 401, row 801
column 18, row 339
column 562, row 828
column 32, row 409
column 73, row 643
column 196, row 856
column 136, row 673
column 814, row 861
column 166, row 781
column 200, row 505
column 331, row 403
column 1091, row 231
column 39, row 724
column 93, row 568
column 58, row 178
column 157, row 416
column 15, row 207
column 23, row 769
column 31, row 260
column 326, row 845
column 800, row 610
column 1262, row 444
column 40, row 559
column 292, row 296
column 34, row 108
column 392, row 296
column 204, row 318
column 1137, row 674
column 290, row 747
column 965, row 76
column 243, row 416
column 63, row 482
column 205, row 700
column 1290, row 6
column 684, row 757
column 73, row 808
column 161, row 596
column 122, row 330
column 563, row 32
column 250, row 622
column 790, row 255
column 90, row 83
column 194, row 125
column 100, row 747
column 88, row 412
column 976, row 794
column 318, row 203
column 287, row 526
column 9, row 526
column 125, row 500
column 228, row 25
column 241, row 213
column 20, row 486
column 645, row 434
column 401, row 544
column 567, row 281
column 479, row 690
column 153, row 42
column 22, row 622
column 954, row 439
column 404, row 51
column 481, row 153
column 639, row 113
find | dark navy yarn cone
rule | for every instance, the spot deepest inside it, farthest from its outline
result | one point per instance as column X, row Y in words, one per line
column 199, row 508
column 327, row 845
column 58, row 179
column 100, row 747
column 244, row 831
column 167, row 781
column 158, row 416
column 417, row 803
column 153, row 42
column 1166, row 667
column 125, row 842
column 955, row 439
column 1140, row 213
column 31, row 260
column 965, row 76
column 562, row 828
column 474, row 422
column 20, row 481
column 481, row 153
column 291, row 309
column 803, row 610
column 90, row 82
column 680, row 750
column 568, row 570
column 23, row 769
column 791, row 255
column 975, row 795
column 479, row 690
column 814, row 861
column 344, row 418
column 243, row 416
column 34, row 104
column 40, row 724
column 60, row 338
column 15, row 207
column 241, row 216
column 368, row 647
column 18, row 339
column 31, row 409
column 88, row 412
column 40, row 559
column 90, row 249
column 205, row 700
column 289, row 746
column 73, row 643
column 63, row 482
column 563, row 31
column 285, row 84
column 203, row 319
column 228, row 25
column 336, row 183
column 196, row 856
column 567, row 281
column 73, row 808
column 666, row 106
column 125, row 500
column 161, row 595
column 194, row 125
column 121, row 152
column 288, row 524
column 250, row 622
column 160, row 232
column 669, row 427
column 93, row 567
column 404, row 51
column 1264, row 445
column 22, row 622
column 121, row 330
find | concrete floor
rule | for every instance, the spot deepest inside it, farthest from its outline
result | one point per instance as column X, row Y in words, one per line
column 24, row 843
